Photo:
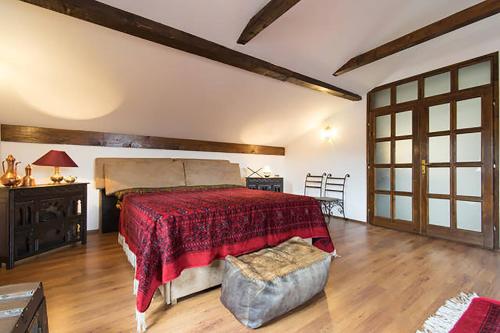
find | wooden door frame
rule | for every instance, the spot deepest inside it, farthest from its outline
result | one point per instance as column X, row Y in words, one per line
column 496, row 139
column 418, row 105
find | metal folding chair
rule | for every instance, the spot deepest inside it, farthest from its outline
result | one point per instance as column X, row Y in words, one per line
column 314, row 183
column 334, row 195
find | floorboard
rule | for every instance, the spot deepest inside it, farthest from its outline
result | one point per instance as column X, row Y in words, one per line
column 383, row 281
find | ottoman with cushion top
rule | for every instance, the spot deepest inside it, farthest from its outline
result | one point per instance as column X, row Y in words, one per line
column 263, row 285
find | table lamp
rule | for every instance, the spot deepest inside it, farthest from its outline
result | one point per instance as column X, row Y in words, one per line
column 57, row 159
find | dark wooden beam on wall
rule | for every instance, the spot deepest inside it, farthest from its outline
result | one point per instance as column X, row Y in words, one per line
column 267, row 15
column 458, row 20
column 129, row 23
column 29, row 134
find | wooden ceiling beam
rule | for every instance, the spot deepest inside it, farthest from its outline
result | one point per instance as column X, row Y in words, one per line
column 458, row 20
column 138, row 26
column 267, row 15
column 31, row 134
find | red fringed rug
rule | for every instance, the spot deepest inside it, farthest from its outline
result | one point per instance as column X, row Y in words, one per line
column 466, row 313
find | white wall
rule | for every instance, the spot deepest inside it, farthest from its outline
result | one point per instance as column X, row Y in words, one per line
column 344, row 154
column 85, row 157
column 60, row 72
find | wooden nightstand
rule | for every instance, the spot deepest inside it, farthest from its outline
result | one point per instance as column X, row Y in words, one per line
column 41, row 218
column 274, row 184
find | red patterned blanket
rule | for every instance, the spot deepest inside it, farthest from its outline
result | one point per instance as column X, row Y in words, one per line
column 171, row 231
column 482, row 316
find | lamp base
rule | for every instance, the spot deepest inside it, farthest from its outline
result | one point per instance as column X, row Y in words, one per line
column 56, row 177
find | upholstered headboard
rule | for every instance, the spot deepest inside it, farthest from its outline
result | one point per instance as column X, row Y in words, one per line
column 114, row 174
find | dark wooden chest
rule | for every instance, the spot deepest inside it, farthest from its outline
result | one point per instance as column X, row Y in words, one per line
column 41, row 218
column 23, row 308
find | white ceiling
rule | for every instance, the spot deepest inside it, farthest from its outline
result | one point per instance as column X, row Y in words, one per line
column 315, row 37
column 61, row 72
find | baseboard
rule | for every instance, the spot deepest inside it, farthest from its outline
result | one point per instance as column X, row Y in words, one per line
column 346, row 219
column 356, row 221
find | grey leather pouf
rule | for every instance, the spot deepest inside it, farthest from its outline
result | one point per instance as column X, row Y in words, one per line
column 263, row 285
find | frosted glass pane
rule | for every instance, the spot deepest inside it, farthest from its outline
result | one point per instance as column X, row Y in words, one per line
column 469, row 113
column 403, row 208
column 437, row 84
column 383, row 126
column 439, row 118
column 469, row 147
column 403, row 181
column 439, row 149
column 404, row 151
column 439, row 180
column 383, row 205
column 404, row 123
column 383, row 179
column 439, row 212
column 383, row 152
column 381, row 98
column 407, row 92
column 474, row 75
column 469, row 181
column 469, row 215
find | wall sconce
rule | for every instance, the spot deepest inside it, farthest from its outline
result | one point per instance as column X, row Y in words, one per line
column 328, row 133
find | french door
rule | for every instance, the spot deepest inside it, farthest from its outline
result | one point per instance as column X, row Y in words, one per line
column 431, row 153
column 395, row 161
column 457, row 169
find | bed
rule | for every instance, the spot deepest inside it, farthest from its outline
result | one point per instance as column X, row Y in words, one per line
column 180, row 217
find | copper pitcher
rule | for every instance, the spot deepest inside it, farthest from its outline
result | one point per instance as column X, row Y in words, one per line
column 28, row 180
column 10, row 177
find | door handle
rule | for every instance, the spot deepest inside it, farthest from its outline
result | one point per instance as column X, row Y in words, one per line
column 424, row 167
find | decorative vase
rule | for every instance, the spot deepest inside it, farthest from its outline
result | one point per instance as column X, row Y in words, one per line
column 70, row 179
column 10, row 177
column 28, row 180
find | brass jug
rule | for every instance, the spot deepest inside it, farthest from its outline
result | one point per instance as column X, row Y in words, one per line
column 10, row 177
column 28, row 180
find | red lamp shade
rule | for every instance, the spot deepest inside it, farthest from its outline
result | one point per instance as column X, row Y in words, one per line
column 56, row 158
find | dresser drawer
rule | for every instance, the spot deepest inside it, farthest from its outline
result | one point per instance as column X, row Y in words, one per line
column 49, row 191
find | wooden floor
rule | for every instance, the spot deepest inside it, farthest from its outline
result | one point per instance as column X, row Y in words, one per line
column 384, row 281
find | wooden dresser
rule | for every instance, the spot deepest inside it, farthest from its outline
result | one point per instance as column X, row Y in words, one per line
column 274, row 184
column 41, row 218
